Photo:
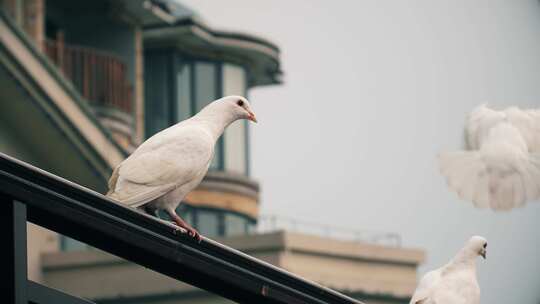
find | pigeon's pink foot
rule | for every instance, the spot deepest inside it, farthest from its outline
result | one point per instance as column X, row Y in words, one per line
column 190, row 230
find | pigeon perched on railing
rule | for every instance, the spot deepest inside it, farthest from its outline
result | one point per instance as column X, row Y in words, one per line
column 455, row 282
column 501, row 170
column 168, row 165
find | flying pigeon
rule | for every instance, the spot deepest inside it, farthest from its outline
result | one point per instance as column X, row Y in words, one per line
column 168, row 165
column 501, row 169
column 455, row 282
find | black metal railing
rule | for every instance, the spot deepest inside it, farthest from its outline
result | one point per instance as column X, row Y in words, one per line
column 34, row 195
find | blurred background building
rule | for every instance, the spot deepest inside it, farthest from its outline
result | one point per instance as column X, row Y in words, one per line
column 84, row 82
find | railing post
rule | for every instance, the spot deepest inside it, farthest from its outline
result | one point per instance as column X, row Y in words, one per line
column 14, row 269
column 85, row 75
column 60, row 50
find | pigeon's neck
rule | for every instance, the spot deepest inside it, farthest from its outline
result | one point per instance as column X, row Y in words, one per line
column 465, row 258
column 214, row 119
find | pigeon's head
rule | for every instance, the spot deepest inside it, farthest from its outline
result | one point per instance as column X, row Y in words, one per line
column 477, row 246
column 240, row 107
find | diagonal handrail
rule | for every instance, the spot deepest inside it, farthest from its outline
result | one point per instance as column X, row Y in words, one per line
column 90, row 217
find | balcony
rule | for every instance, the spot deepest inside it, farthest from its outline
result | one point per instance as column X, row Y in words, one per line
column 100, row 78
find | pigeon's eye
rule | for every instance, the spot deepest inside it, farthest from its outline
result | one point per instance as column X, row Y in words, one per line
column 240, row 102
column 485, row 245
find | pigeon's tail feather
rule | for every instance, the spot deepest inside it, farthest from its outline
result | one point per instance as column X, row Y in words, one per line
column 112, row 194
column 488, row 184
column 112, row 181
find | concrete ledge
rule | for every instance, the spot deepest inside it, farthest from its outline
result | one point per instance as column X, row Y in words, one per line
column 386, row 274
column 353, row 250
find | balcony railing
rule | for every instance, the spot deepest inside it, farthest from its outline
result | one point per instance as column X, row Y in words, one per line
column 100, row 78
column 31, row 194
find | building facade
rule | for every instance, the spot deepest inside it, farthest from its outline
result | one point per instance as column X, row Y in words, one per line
column 84, row 82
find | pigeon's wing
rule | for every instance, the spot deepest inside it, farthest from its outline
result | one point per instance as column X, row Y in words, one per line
column 152, row 172
column 528, row 123
column 513, row 182
column 136, row 195
column 465, row 173
column 478, row 124
column 422, row 294
column 489, row 184
column 500, row 178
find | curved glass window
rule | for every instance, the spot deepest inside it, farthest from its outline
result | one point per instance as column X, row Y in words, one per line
column 234, row 83
column 208, row 222
column 207, row 89
column 216, row 222
column 183, row 92
column 206, row 86
column 235, row 224
column 157, row 90
column 177, row 87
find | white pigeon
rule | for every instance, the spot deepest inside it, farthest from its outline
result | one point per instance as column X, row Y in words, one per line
column 501, row 170
column 455, row 282
column 168, row 165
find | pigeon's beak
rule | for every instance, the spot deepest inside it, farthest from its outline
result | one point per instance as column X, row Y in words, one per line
column 251, row 116
column 483, row 253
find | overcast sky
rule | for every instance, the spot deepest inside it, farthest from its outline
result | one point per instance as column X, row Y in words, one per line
column 373, row 90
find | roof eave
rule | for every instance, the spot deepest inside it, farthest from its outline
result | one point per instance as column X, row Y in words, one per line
column 261, row 57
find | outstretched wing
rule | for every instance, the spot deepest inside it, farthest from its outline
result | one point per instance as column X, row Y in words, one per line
column 161, row 166
column 498, row 183
column 528, row 123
